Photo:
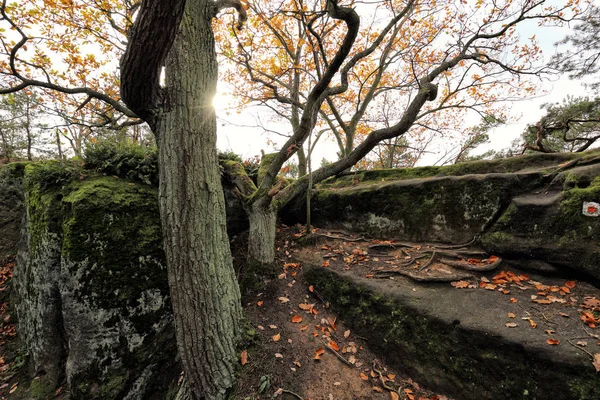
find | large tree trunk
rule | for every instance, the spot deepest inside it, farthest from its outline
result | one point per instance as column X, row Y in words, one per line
column 204, row 291
column 261, row 240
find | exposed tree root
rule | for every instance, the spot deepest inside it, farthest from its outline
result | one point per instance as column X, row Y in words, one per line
column 428, row 263
column 360, row 239
column 415, row 276
column 389, row 246
column 472, row 267
column 457, row 246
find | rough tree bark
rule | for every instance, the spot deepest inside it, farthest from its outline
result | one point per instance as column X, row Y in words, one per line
column 204, row 291
column 262, row 217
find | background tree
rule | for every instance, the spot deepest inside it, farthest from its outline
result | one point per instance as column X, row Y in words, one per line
column 570, row 126
column 581, row 58
column 20, row 126
column 458, row 56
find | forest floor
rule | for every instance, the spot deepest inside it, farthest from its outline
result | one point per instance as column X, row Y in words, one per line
column 303, row 351
column 299, row 348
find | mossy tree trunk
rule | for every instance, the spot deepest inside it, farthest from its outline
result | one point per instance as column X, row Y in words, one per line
column 204, row 291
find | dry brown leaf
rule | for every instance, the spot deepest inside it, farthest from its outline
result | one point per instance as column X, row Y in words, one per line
column 305, row 306
column 553, row 342
column 363, row 376
column 244, row 357
column 570, row 284
column 394, row 396
column 320, row 351
column 542, row 301
column 277, row 337
column 596, row 362
column 532, row 323
column 278, row 355
column 377, row 389
column 511, row 315
column 460, row 284
column 347, row 333
column 296, row 319
column 260, row 303
column 513, row 300
column 283, row 299
column 511, row 325
column 334, row 345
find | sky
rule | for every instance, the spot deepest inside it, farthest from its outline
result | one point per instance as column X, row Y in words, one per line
column 249, row 141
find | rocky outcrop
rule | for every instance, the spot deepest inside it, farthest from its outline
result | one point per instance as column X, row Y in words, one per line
column 553, row 223
column 528, row 207
column 91, row 287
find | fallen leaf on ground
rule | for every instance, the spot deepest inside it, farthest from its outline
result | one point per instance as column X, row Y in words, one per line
column 305, row 306
column 394, row 396
column 278, row 355
column 511, row 315
column 283, row 299
column 347, row 333
column 319, row 353
column 513, row 300
column 460, row 284
column 276, row 337
column 553, row 341
column 596, row 362
column 363, row 376
column 377, row 389
column 570, row 284
column 511, row 325
column 260, row 303
column 244, row 357
column 334, row 345
column 296, row 319
column 532, row 323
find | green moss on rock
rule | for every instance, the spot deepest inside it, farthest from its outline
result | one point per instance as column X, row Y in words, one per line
column 94, row 278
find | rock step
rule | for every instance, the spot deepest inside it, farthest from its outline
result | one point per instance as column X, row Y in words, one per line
column 456, row 341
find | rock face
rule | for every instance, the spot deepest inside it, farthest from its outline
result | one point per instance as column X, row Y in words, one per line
column 527, row 207
column 554, row 224
column 91, row 287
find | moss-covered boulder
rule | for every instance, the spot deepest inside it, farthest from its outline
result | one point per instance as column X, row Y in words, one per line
column 446, row 209
column 92, row 294
column 553, row 224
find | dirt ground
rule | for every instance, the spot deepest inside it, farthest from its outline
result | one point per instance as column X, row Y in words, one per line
column 303, row 351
